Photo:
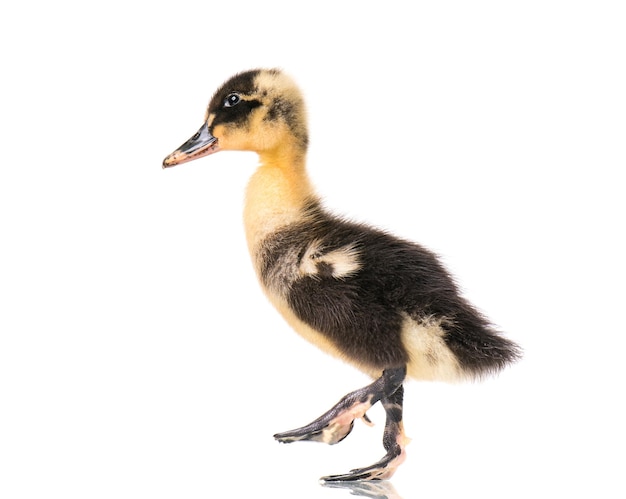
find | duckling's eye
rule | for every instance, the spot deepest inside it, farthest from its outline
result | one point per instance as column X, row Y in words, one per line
column 232, row 100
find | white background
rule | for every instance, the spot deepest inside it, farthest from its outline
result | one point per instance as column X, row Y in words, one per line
column 138, row 357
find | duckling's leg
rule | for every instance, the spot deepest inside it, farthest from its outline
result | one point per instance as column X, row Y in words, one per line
column 333, row 426
column 394, row 441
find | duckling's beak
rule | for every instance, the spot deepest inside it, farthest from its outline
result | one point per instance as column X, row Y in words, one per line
column 201, row 144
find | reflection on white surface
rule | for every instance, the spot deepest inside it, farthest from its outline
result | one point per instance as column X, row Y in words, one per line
column 374, row 489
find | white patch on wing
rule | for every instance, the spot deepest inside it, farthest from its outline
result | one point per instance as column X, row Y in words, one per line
column 343, row 261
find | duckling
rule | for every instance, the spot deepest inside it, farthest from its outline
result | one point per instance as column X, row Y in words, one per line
column 384, row 304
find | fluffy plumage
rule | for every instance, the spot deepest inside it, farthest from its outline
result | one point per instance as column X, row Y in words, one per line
column 382, row 303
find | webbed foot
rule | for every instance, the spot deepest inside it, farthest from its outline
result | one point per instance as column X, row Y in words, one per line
column 336, row 424
column 333, row 426
column 382, row 470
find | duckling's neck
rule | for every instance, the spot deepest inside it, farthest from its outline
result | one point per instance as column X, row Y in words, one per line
column 276, row 195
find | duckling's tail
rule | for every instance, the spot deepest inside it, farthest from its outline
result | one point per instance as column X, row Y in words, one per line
column 480, row 349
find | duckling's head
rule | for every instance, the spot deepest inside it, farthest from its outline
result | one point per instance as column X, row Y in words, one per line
column 261, row 110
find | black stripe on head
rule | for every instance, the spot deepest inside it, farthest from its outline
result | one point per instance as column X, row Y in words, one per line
column 241, row 84
column 236, row 115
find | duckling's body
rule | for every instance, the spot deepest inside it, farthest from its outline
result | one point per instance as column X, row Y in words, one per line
column 373, row 299
column 384, row 304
